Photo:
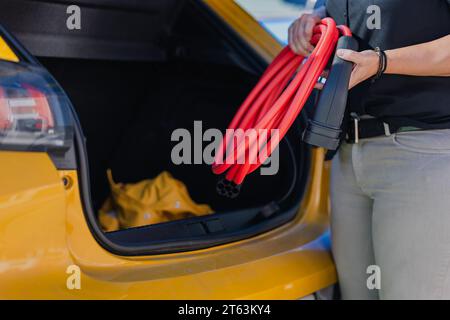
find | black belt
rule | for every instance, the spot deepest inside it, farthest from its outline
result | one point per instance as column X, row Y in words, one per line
column 370, row 128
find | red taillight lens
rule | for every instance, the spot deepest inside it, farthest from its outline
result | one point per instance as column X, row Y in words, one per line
column 25, row 109
column 34, row 111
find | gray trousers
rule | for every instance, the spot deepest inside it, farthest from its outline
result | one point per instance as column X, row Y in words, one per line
column 390, row 199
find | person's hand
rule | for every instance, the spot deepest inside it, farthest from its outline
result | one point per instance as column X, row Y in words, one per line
column 366, row 64
column 300, row 33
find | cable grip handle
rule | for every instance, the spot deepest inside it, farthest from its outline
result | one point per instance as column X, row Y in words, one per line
column 325, row 129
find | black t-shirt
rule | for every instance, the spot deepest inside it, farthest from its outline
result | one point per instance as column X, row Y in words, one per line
column 400, row 100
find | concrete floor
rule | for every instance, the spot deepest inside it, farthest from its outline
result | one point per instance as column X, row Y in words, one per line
column 277, row 15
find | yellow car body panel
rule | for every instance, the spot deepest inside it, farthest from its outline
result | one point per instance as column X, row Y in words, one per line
column 44, row 233
column 6, row 53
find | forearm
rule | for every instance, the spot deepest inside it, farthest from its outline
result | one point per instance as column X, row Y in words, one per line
column 426, row 59
column 321, row 12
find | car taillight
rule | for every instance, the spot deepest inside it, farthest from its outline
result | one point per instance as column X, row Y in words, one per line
column 25, row 109
column 34, row 111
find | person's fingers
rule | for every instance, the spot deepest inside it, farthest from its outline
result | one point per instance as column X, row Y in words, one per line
column 349, row 55
column 307, row 46
column 297, row 35
column 303, row 38
column 308, row 32
column 303, row 44
column 318, row 86
column 291, row 38
column 308, row 28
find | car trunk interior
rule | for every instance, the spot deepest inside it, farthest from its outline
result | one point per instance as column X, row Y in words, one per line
column 192, row 69
column 128, row 112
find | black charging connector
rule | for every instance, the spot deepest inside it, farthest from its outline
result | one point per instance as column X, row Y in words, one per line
column 325, row 129
column 228, row 188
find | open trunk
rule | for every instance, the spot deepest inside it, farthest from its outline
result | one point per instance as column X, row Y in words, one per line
column 193, row 69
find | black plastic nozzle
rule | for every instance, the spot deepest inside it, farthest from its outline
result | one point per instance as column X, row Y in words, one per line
column 325, row 129
column 228, row 188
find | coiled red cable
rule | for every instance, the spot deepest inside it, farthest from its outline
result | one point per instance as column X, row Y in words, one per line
column 274, row 103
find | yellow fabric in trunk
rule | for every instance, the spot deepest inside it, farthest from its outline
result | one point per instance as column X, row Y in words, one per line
column 147, row 202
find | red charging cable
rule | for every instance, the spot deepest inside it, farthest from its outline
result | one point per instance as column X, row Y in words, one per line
column 274, row 103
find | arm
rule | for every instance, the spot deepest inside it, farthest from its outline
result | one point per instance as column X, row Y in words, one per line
column 426, row 59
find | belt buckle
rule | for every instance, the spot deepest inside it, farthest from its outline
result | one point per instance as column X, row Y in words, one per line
column 356, row 120
column 387, row 129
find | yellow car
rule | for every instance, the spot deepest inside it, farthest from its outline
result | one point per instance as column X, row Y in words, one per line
column 133, row 72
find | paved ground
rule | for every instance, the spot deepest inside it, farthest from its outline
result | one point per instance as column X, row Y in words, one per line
column 277, row 15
